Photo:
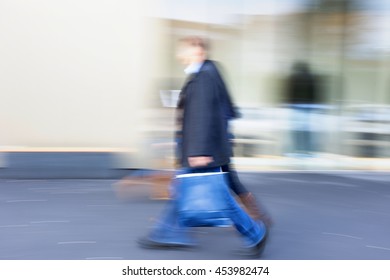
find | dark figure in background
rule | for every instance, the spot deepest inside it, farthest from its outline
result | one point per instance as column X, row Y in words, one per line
column 204, row 145
column 303, row 98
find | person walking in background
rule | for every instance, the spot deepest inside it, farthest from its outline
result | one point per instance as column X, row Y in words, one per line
column 303, row 98
column 203, row 144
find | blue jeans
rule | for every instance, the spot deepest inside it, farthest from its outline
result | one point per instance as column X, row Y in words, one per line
column 168, row 229
column 302, row 135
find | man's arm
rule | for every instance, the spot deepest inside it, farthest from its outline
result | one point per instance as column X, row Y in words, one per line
column 200, row 121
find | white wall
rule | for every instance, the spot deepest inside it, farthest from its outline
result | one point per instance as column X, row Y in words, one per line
column 75, row 73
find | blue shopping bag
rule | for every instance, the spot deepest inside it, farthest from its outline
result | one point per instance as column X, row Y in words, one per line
column 202, row 199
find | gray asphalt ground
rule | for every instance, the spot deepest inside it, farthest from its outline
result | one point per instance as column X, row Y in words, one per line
column 318, row 216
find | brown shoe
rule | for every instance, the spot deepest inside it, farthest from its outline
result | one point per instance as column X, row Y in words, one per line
column 160, row 186
column 254, row 209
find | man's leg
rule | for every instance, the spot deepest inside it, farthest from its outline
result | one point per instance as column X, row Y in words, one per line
column 252, row 231
column 234, row 182
column 247, row 198
column 167, row 232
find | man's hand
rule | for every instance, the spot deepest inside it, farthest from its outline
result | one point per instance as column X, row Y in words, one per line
column 199, row 161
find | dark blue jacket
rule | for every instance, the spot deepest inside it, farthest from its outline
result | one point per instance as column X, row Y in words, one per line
column 204, row 110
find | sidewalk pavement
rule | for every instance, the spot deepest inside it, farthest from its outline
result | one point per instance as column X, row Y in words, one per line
column 322, row 162
column 106, row 164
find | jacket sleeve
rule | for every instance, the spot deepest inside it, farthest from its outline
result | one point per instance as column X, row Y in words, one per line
column 200, row 113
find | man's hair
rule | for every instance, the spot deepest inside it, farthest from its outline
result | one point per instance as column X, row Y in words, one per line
column 195, row 41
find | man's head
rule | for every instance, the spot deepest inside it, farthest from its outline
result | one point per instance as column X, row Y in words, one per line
column 192, row 50
column 301, row 67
